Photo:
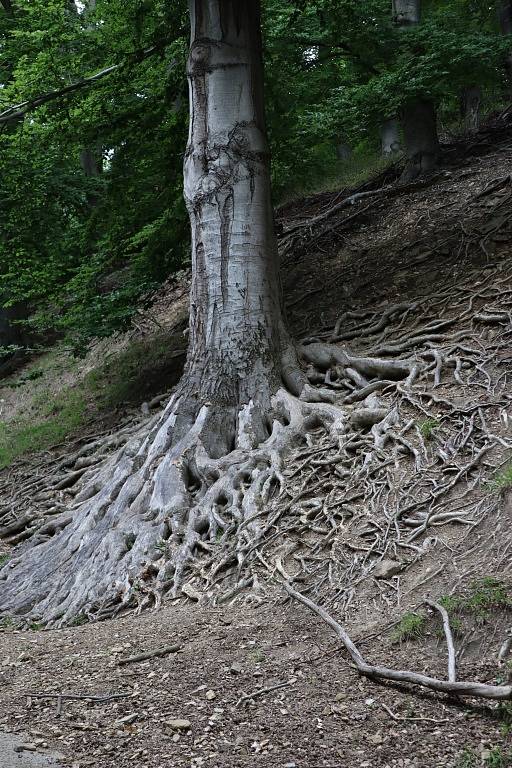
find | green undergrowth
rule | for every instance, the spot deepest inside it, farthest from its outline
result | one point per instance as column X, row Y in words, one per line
column 483, row 598
column 410, row 627
column 503, row 480
column 494, row 757
column 343, row 174
column 51, row 414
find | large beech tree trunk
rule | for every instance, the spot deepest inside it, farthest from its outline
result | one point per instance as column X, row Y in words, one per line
column 235, row 322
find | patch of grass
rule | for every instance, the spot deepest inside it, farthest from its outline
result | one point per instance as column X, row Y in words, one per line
column 410, row 627
column 62, row 416
column 497, row 758
column 502, row 481
column 257, row 656
column 79, row 620
column 484, row 595
column 6, row 622
column 36, row 626
column 427, row 428
column 343, row 174
column 127, row 377
column 4, row 559
column 467, row 759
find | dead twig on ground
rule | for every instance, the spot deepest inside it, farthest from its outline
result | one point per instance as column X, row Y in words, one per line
column 478, row 690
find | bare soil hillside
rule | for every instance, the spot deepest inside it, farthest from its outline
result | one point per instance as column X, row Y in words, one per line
column 401, row 298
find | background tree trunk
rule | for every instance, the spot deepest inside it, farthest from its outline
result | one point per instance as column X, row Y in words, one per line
column 390, row 137
column 406, row 12
column 419, row 118
column 420, row 136
column 505, row 21
column 471, row 108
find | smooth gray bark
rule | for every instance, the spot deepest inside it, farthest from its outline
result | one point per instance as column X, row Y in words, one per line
column 471, row 108
column 390, row 137
column 406, row 12
column 237, row 338
column 505, row 22
column 419, row 118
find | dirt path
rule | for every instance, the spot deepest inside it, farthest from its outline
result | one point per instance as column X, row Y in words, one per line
column 323, row 715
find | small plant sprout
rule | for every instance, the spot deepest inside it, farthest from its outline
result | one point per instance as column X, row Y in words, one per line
column 410, row 627
column 427, row 428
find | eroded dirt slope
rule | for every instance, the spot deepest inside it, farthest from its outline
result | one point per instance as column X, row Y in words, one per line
column 408, row 508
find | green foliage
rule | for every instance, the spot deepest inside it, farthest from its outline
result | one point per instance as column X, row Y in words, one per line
column 502, row 481
column 484, row 595
column 427, row 428
column 467, row 759
column 410, row 627
column 4, row 559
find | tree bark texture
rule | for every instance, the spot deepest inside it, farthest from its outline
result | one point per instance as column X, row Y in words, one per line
column 390, row 137
column 471, row 108
column 406, row 13
column 236, row 332
column 419, row 120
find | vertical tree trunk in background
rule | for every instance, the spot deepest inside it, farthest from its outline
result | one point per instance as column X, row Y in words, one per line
column 419, row 118
column 505, row 21
column 406, row 12
column 235, row 320
column 390, row 137
column 420, row 137
column 343, row 151
column 471, row 108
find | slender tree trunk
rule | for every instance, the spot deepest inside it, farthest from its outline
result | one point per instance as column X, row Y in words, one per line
column 505, row 22
column 343, row 151
column 419, row 118
column 390, row 137
column 471, row 102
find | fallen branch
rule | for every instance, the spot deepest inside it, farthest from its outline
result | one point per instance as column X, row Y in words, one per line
column 150, row 654
column 61, row 697
column 449, row 638
column 479, row 690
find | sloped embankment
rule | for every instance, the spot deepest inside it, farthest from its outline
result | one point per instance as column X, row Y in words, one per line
column 403, row 303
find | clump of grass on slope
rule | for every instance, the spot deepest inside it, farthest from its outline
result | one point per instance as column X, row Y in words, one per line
column 410, row 627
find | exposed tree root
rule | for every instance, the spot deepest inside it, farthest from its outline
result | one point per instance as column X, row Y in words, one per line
column 137, row 524
column 322, row 493
column 477, row 690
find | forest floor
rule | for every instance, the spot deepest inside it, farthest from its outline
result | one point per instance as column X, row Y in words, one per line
column 263, row 682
